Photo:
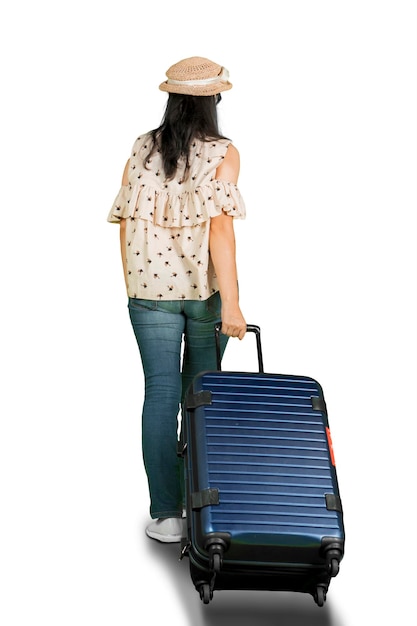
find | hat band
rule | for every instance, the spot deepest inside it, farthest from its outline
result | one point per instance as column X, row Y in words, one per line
column 224, row 76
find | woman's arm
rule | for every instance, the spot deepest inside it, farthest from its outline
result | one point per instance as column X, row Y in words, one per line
column 123, row 228
column 123, row 247
column 223, row 254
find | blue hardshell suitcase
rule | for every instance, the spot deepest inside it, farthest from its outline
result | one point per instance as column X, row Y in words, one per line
column 263, row 504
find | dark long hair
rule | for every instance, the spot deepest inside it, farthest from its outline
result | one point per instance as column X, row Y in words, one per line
column 186, row 118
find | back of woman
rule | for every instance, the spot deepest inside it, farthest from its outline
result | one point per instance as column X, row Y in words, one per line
column 175, row 208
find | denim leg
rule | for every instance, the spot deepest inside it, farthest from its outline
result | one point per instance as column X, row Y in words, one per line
column 200, row 345
column 159, row 337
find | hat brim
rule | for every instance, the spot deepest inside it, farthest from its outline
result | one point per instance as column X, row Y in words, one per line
column 196, row 90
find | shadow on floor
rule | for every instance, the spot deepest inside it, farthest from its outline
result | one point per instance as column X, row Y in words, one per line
column 240, row 608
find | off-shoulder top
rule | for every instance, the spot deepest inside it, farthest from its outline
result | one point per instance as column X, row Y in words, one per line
column 168, row 221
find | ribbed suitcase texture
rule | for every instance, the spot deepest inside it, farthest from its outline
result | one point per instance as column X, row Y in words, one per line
column 263, row 503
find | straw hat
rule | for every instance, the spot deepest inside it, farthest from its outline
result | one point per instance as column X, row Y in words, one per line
column 196, row 76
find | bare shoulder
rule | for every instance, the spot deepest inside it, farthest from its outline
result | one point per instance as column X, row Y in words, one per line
column 232, row 153
column 229, row 168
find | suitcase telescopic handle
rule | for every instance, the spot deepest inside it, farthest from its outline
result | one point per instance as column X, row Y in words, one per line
column 250, row 328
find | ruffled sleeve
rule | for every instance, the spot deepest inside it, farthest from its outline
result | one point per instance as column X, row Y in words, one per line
column 120, row 206
column 222, row 196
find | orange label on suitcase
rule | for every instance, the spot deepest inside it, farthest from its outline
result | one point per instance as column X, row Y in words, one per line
column 329, row 441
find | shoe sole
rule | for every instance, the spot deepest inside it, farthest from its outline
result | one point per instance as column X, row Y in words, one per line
column 164, row 538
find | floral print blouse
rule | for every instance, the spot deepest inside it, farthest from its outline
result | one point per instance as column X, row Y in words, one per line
column 168, row 222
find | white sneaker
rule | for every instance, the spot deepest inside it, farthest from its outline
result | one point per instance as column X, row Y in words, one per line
column 167, row 530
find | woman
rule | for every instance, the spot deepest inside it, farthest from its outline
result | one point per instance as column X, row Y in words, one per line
column 176, row 208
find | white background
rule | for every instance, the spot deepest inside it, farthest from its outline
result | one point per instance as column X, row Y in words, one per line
column 323, row 112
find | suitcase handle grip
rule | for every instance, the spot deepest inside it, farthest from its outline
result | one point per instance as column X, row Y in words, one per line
column 250, row 328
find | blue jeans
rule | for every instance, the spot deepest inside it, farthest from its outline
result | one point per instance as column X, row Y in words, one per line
column 169, row 366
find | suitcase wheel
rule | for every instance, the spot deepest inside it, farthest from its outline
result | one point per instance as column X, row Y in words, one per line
column 206, row 593
column 334, row 567
column 216, row 562
column 320, row 595
column 216, row 547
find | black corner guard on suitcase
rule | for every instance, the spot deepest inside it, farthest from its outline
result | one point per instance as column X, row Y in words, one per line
column 194, row 400
column 206, row 497
column 318, row 404
column 333, row 502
